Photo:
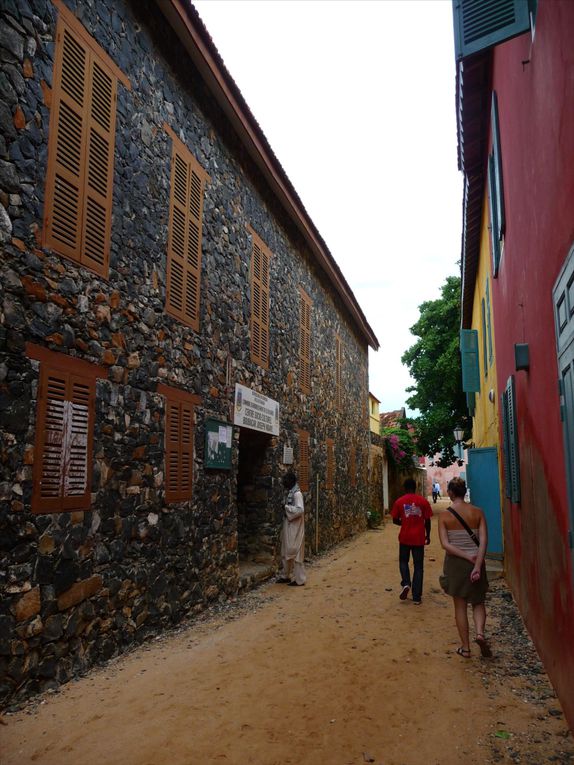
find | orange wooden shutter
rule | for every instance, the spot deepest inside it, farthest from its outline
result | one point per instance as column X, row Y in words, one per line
column 179, row 442
column 338, row 382
column 62, row 466
column 305, row 343
column 260, row 304
column 80, row 155
column 304, row 460
column 184, row 238
column 330, row 476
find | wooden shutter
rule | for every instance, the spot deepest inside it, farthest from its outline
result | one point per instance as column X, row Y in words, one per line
column 330, row 472
column 471, row 402
column 260, row 260
column 338, row 374
column 497, row 167
column 470, row 362
column 489, row 322
column 480, row 24
column 184, row 236
column 304, row 460
column 179, row 443
column 492, row 210
column 484, row 339
column 78, row 201
column 64, row 433
column 510, row 441
column 305, row 342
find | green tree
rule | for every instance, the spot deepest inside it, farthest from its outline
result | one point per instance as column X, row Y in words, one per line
column 435, row 366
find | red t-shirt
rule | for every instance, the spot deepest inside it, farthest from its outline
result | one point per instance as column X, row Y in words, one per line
column 413, row 510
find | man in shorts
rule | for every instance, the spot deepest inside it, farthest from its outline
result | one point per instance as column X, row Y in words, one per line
column 412, row 513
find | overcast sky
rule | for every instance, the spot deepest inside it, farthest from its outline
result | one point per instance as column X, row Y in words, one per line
column 356, row 98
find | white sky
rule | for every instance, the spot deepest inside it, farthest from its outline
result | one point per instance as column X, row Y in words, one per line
column 357, row 99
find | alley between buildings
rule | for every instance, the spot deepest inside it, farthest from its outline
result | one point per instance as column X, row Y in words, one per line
column 337, row 673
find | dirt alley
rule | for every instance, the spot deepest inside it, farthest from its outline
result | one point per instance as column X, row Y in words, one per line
column 339, row 672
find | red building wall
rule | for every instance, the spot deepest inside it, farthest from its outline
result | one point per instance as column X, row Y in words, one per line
column 536, row 112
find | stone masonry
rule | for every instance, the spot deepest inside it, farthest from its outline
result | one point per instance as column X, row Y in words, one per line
column 77, row 588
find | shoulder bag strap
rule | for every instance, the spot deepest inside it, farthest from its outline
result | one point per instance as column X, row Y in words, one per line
column 465, row 525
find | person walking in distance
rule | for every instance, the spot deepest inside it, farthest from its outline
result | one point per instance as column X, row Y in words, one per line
column 464, row 536
column 293, row 534
column 412, row 513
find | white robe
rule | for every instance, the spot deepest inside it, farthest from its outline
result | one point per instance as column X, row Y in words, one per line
column 293, row 535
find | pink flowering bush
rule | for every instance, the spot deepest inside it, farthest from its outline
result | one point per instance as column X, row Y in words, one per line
column 399, row 447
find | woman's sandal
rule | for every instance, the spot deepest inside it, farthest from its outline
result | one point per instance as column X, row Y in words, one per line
column 483, row 645
column 464, row 652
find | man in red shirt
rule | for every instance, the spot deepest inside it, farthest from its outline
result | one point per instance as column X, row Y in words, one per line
column 412, row 513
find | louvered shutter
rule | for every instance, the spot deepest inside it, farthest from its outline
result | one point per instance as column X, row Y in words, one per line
column 304, row 460
column 505, row 444
column 489, row 322
column 471, row 402
column 469, row 359
column 492, row 209
column 497, row 167
column 305, row 344
column 513, row 454
column 179, row 443
column 80, row 159
column 484, row 339
column 184, row 240
column 260, row 305
column 64, row 445
column 480, row 24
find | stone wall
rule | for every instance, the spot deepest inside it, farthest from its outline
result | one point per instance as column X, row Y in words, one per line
column 79, row 587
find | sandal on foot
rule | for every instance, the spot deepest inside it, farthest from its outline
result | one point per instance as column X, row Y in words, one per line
column 464, row 652
column 483, row 645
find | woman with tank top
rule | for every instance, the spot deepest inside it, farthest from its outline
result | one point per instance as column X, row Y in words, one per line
column 464, row 572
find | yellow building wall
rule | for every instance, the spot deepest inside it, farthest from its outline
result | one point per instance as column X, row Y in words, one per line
column 486, row 418
column 374, row 419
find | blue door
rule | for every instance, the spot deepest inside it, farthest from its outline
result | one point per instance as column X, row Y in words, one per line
column 484, row 485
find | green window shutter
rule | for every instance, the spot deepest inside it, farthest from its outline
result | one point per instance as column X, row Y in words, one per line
column 492, row 208
column 497, row 162
column 488, row 322
column 480, row 24
column 484, row 349
column 469, row 358
column 471, row 403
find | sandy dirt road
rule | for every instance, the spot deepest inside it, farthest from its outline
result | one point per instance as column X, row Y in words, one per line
column 340, row 672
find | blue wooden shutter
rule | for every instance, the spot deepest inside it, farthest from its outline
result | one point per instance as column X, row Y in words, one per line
column 471, row 403
column 480, row 24
column 469, row 358
column 497, row 163
column 492, row 208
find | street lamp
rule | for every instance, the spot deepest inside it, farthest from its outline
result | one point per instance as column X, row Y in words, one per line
column 458, row 436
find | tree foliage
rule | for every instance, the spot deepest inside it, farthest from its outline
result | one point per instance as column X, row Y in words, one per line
column 435, row 366
column 400, row 446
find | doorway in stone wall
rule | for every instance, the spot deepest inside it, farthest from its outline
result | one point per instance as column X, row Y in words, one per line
column 256, row 525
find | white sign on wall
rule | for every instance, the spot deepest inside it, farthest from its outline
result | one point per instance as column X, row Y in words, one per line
column 255, row 411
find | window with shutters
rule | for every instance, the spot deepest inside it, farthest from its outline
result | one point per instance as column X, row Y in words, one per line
column 484, row 339
column 184, row 235
column 352, row 466
column 64, row 432
column 510, row 442
column 330, row 472
column 480, row 24
column 338, row 373
column 260, row 260
column 489, row 324
column 78, row 201
column 179, row 442
column 469, row 360
column 304, row 342
column 304, row 476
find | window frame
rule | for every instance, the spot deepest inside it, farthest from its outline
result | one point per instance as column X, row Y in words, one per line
column 260, row 291
column 185, row 403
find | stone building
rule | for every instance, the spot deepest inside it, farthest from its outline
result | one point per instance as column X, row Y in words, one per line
column 174, row 334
